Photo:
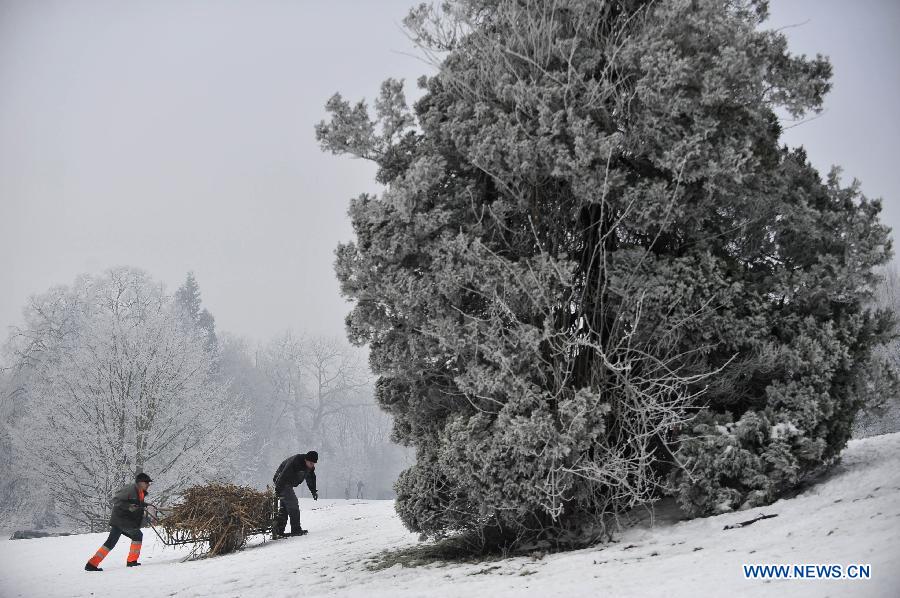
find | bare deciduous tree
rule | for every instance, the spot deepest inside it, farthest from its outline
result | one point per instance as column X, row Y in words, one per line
column 317, row 393
column 118, row 385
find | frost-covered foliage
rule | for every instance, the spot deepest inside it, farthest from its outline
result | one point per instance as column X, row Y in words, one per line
column 116, row 383
column 881, row 414
column 16, row 486
column 594, row 272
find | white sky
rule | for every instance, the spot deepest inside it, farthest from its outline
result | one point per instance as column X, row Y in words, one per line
column 178, row 135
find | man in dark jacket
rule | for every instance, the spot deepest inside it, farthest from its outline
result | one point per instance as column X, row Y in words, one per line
column 291, row 473
column 126, row 518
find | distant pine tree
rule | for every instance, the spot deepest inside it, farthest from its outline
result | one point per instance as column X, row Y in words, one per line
column 187, row 298
column 188, row 303
column 595, row 275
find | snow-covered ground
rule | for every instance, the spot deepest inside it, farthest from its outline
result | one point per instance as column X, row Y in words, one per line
column 853, row 517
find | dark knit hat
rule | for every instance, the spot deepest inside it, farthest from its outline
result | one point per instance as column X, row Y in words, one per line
column 312, row 456
column 142, row 477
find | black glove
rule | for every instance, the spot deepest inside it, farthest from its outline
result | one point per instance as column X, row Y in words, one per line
column 314, row 494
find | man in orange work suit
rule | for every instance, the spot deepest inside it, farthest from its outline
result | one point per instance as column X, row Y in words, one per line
column 125, row 520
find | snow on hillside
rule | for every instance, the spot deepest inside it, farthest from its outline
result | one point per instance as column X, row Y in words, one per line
column 853, row 517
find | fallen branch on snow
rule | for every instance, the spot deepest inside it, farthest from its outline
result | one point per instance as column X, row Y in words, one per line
column 746, row 523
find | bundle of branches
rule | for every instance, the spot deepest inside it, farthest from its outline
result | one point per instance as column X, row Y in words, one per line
column 223, row 515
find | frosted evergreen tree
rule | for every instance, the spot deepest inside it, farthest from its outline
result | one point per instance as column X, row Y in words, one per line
column 595, row 276
column 189, row 302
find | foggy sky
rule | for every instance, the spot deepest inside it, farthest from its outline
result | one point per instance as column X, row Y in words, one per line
column 178, row 135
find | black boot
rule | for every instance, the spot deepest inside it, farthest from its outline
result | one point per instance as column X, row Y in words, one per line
column 296, row 528
column 278, row 527
column 90, row 567
column 132, row 564
column 281, row 519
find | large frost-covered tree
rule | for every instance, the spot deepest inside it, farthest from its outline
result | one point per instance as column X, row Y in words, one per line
column 595, row 275
column 116, row 384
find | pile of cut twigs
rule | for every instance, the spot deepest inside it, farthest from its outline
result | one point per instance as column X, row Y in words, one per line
column 222, row 515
